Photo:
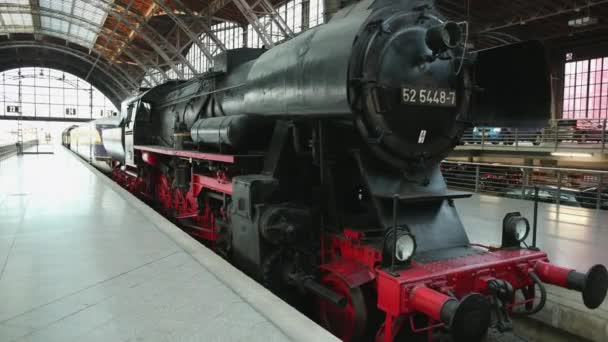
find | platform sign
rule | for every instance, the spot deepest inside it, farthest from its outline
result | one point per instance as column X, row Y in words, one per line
column 13, row 109
column 70, row 111
column 105, row 113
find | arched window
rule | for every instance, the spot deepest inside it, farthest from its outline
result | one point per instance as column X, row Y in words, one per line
column 49, row 94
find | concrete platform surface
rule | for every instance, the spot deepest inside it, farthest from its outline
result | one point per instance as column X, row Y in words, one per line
column 81, row 261
column 572, row 237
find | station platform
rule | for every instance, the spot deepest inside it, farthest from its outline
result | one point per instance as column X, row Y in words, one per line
column 83, row 260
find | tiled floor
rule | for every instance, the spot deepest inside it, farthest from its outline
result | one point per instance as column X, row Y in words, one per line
column 573, row 237
column 80, row 263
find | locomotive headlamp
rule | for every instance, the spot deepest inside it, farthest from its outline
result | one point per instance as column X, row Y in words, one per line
column 515, row 229
column 403, row 249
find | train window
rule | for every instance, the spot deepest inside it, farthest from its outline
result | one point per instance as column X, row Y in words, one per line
column 130, row 113
column 144, row 112
column 129, row 109
column 242, row 204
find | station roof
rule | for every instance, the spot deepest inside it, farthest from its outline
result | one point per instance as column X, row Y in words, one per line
column 119, row 40
column 498, row 22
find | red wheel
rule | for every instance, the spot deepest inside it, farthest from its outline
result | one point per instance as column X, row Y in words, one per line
column 348, row 322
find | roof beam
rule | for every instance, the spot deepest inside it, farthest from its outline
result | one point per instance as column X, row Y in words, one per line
column 108, row 39
column 150, row 40
column 35, row 4
column 564, row 10
column 72, row 52
column 72, row 16
column 37, row 12
column 124, row 75
column 185, row 28
column 203, row 19
column 7, row 8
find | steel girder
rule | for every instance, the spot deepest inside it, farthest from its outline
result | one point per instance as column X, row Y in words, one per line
column 151, row 41
column 108, row 39
column 78, row 21
column 555, row 12
column 182, row 25
column 146, row 62
column 73, row 52
column 163, row 48
column 106, row 70
column 130, row 80
column 254, row 20
column 207, row 30
column 4, row 26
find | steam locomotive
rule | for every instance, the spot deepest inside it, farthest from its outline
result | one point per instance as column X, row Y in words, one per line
column 314, row 167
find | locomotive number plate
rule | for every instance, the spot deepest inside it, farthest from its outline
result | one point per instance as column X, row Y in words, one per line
column 429, row 97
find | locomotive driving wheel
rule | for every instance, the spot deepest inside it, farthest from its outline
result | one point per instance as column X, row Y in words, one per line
column 347, row 322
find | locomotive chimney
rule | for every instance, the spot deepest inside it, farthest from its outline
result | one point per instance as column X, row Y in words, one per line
column 442, row 37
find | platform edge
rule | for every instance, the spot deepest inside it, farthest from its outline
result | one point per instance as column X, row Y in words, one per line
column 288, row 320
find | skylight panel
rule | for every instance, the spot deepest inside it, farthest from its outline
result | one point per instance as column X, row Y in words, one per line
column 82, row 33
column 17, row 19
column 54, row 24
column 64, row 6
column 17, row 2
column 92, row 13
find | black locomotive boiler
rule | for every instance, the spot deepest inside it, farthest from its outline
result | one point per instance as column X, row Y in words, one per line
column 314, row 167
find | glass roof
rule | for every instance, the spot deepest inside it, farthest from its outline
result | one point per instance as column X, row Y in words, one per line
column 78, row 21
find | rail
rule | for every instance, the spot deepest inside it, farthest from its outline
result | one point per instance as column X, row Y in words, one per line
column 562, row 186
column 584, row 135
column 8, row 150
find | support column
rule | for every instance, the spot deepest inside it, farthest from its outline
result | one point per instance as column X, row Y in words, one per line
column 331, row 7
column 245, row 36
column 305, row 15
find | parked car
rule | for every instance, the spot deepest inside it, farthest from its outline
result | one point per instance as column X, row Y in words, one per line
column 581, row 131
column 505, row 135
column 588, row 198
column 547, row 195
column 499, row 178
column 459, row 175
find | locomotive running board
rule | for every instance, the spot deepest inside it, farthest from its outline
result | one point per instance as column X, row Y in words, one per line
column 426, row 196
column 224, row 158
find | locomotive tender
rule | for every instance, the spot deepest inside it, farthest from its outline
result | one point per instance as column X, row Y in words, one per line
column 314, row 167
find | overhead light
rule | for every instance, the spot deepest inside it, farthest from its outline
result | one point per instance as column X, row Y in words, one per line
column 572, row 154
column 582, row 22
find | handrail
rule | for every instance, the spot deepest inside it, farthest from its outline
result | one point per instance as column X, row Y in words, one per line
column 574, row 187
column 571, row 134
column 526, row 167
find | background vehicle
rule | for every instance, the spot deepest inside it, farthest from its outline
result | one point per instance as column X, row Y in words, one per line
column 506, row 135
column 546, row 194
column 580, row 131
column 588, row 198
